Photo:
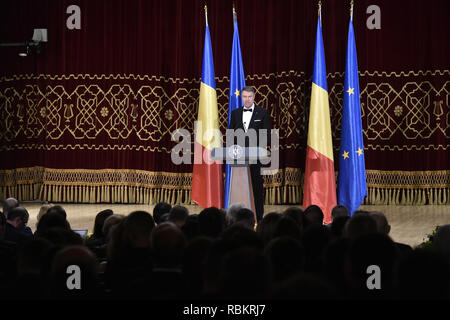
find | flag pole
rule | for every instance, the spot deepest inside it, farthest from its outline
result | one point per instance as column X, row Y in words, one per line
column 351, row 10
column 206, row 14
column 234, row 13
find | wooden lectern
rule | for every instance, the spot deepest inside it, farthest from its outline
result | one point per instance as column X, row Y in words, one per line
column 239, row 159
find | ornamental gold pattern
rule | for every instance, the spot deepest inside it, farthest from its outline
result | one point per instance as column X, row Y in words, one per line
column 401, row 111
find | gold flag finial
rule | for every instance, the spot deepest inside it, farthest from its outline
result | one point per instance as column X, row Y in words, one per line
column 351, row 10
column 320, row 11
column 234, row 13
column 206, row 14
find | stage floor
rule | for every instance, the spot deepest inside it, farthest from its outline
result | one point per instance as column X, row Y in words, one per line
column 409, row 224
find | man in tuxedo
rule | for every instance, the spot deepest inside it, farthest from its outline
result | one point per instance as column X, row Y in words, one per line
column 251, row 116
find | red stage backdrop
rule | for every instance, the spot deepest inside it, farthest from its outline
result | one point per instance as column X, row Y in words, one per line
column 90, row 118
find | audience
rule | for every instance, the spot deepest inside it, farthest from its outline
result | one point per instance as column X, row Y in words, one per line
column 216, row 255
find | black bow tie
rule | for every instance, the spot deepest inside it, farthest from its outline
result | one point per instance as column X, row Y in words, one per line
column 249, row 110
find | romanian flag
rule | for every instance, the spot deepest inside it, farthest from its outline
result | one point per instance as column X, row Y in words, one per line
column 352, row 188
column 207, row 179
column 319, row 185
column 237, row 82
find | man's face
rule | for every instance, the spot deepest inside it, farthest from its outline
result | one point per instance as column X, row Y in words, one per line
column 248, row 98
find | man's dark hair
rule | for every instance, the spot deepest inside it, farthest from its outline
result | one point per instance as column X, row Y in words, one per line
column 49, row 221
column 8, row 205
column 160, row 209
column 18, row 212
column 140, row 223
column 314, row 215
column 178, row 213
column 59, row 210
column 361, row 223
column 211, row 222
column 297, row 214
column 249, row 89
column 245, row 217
column 339, row 211
column 99, row 221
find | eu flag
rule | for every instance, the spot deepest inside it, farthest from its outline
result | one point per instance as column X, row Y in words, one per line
column 237, row 82
column 352, row 186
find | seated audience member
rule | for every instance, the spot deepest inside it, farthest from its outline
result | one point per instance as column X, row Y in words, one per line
column 238, row 235
column 313, row 215
column 194, row 265
column 97, row 241
column 59, row 210
column 8, row 205
column 15, row 227
column 297, row 214
column 166, row 280
column 441, row 241
column 338, row 225
column 244, row 273
column 129, row 253
column 339, row 211
column 178, row 215
column 360, row 223
column 8, row 258
column 50, row 220
column 232, row 211
column 245, row 217
column 191, row 227
column 423, row 274
column 315, row 240
column 212, row 222
column 267, row 226
column 371, row 249
column 335, row 263
column 109, row 224
column 287, row 226
column 384, row 228
column 63, row 285
column 42, row 210
column 286, row 256
column 33, row 260
column 98, row 224
column 160, row 209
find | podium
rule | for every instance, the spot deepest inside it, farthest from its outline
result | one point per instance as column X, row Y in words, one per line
column 240, row 159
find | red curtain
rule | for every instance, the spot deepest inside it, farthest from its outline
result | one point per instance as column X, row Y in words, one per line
column 90, row 118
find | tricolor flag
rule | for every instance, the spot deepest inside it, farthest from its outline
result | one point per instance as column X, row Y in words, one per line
column 207, row 179
column 319, row 185
column 237, row 82
column 352, row 186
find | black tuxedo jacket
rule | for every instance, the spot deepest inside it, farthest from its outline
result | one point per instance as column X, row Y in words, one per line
column 260, row 121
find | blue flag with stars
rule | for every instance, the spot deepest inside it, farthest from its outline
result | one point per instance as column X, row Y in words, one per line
column 237, row 82
column 352, row 187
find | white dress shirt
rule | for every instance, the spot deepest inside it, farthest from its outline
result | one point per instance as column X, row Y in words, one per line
column 247, row 116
